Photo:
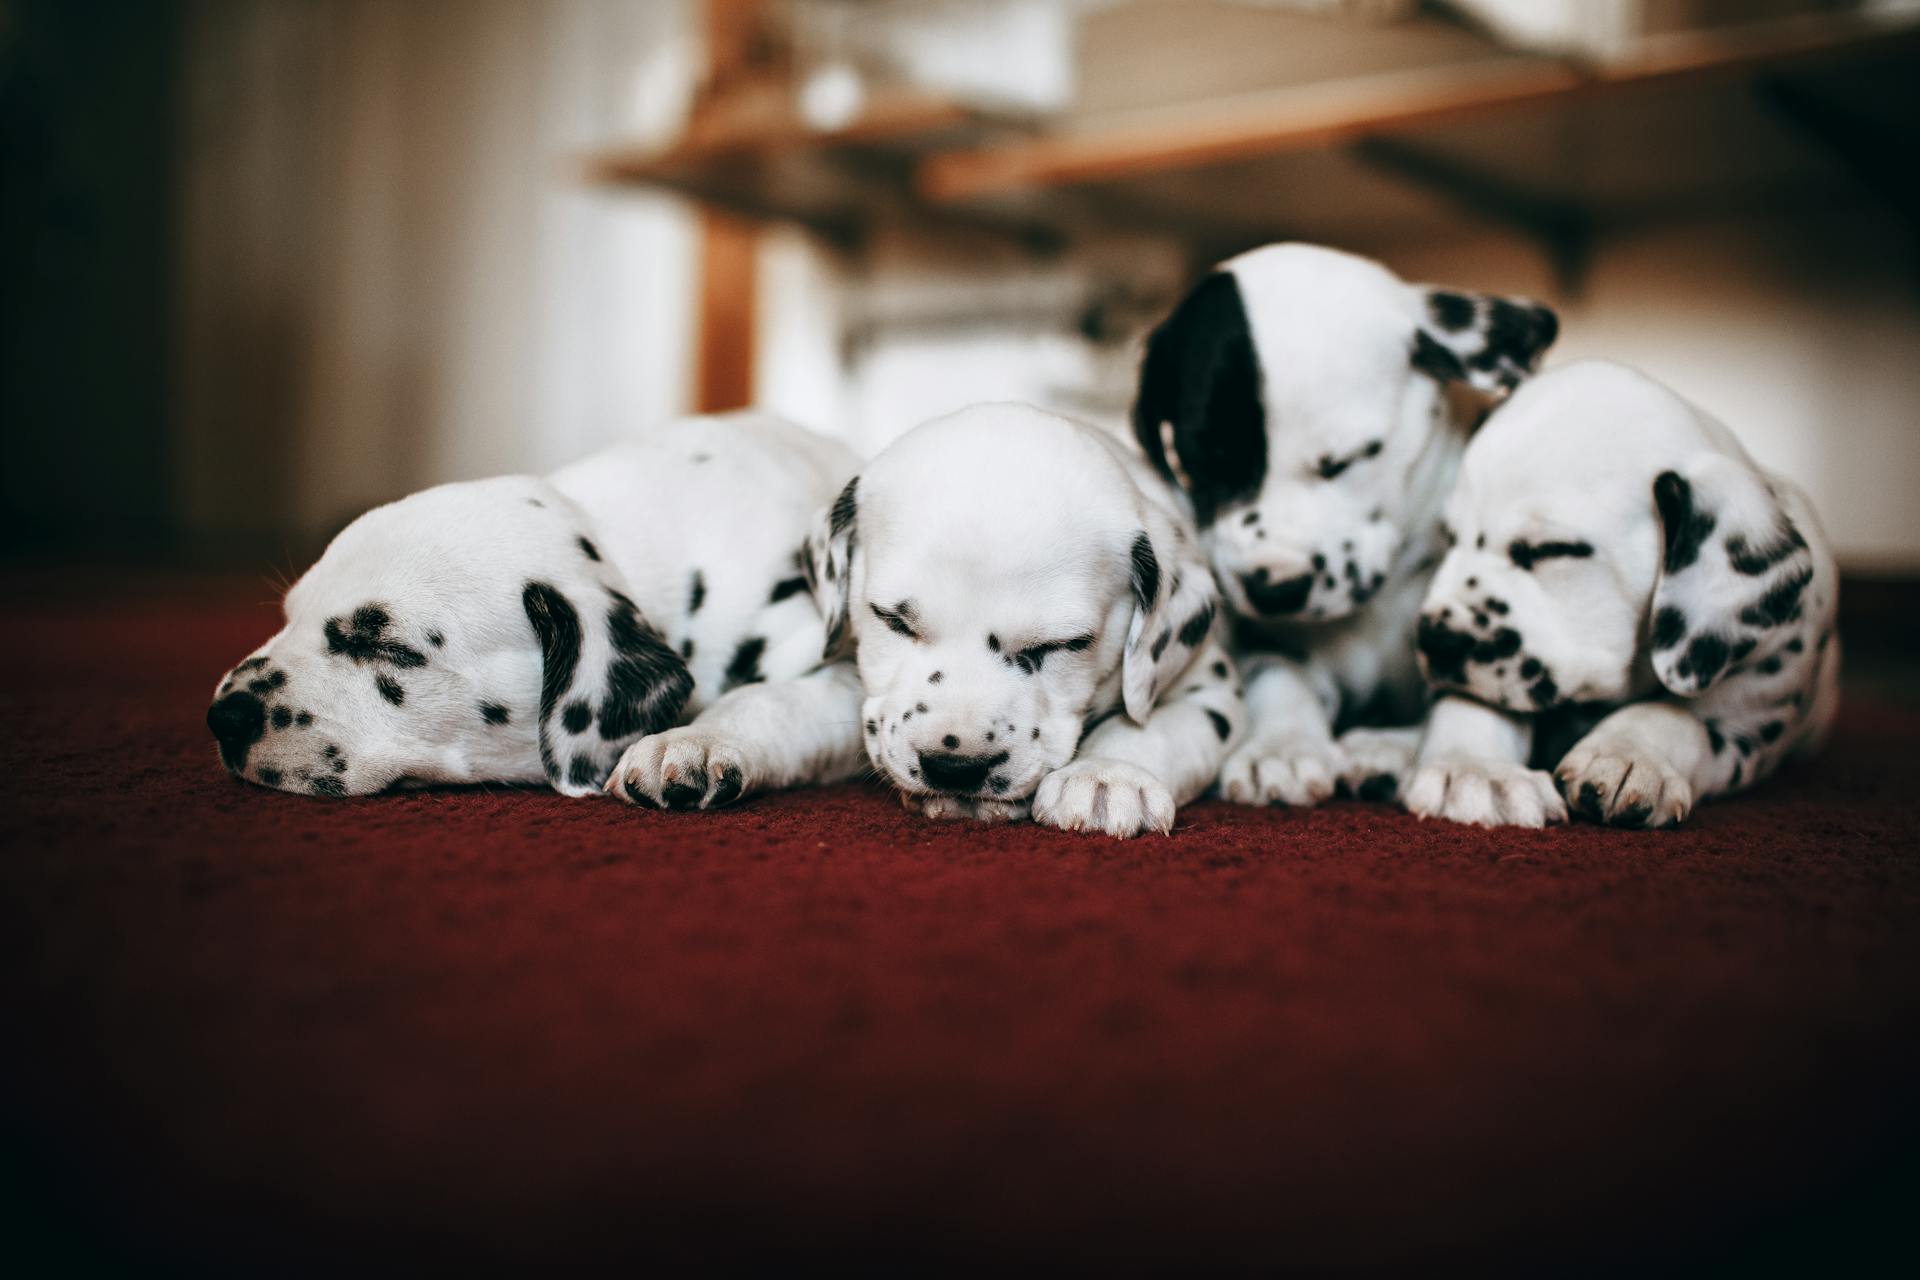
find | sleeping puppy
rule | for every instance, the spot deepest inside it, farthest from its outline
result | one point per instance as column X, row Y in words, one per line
column 532, row 630
column 1304, row 398
column 1625, row 579
column 1034, row 636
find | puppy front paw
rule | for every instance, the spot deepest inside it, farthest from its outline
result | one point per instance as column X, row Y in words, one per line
column 1622, row 787
column 1112, row 796
column 684, row 768
column 966, row 808
column 1377, row 762
column 1484, row 793
column 1280, row 770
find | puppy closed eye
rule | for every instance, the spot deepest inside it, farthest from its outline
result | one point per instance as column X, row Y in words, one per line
column 900, row 618
column 1029, row 659
column 1329, row 466
column 1527, row 554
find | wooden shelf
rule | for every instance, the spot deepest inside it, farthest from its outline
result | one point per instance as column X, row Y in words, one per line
column 1306, row 117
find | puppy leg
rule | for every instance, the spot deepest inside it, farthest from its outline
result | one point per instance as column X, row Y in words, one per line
column 1130, row 778
column 1378, row 762
column 1473, row 768
column 1289, row 756
column 759, row 737
column 1638, row 767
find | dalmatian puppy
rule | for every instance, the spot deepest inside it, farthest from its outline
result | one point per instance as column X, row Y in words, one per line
column 528, row 630
column 1315, row 407
column 1625, row 579
column 1034, row 625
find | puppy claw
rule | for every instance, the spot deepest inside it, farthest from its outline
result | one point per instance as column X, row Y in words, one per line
column 1622, row 787
column 1108, row 796
column 684, row 768
column 1287, row 771
column 1484, row 793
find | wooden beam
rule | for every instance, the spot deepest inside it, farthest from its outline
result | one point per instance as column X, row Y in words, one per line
column 728, row 304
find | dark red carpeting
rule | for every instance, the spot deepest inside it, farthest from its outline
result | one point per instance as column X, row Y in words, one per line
column 247, row 1027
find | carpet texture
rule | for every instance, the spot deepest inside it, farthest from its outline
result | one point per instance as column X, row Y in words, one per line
column 252, row 1028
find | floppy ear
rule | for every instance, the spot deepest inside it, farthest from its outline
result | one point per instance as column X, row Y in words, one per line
column 1734, row 572
column 827, row 561
column 1198, row 414
column 1487, row 342
column 606, row 679
column 1174, row 605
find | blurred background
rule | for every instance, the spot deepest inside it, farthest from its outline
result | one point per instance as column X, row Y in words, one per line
column 269, row 262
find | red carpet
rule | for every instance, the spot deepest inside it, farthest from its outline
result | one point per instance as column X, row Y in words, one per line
column 254, row 1029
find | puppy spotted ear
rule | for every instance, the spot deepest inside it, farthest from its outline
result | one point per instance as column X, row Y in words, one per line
column 1174, row 606
column 1737, row 579
column 827, row 561
column 1198, row 413
column 1488, row 342
column 606, row 679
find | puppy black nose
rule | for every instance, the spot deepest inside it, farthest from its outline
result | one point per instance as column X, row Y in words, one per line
column 238, row 721
column 1288, row 596
column 951, row 772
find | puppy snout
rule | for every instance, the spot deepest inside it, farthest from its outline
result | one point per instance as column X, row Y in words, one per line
column 1289, row 595
column 238, row 721
column 952, row 771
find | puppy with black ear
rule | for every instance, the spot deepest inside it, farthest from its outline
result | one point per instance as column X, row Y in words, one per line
column 1623, row 577
column 1302, row 399
column 1034, row 624
column 529, row 629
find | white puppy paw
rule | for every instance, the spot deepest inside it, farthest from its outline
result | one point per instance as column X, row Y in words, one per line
column 1112, row 796
column 1484, row 793
column 966, row 808
column 1377, row 762
column 684, row 768
column 1623, row 787
column 1281, row 770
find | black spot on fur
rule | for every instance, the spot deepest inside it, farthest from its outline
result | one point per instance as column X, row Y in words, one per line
column 1544, row 691
column 744, row 666
column 696, row 592
column 494, row 713
column 390, row 688
column 1770, row 732
column 1202, row 376
column 1754, row 561
column 686, row 647
column 845, row 507
column 556, row 625
column 577, row 716
column 1195, row 629
column 647, row 683
column 1329, row 467
column 935, row 678
column 363, row 638
column 993, row 642
column 1145, row 572
column 1781, row 603
column 1706, row 655
column 1684, row 527
column 786, row 587
column 1160, row 643
column 282, row 717
column 592, row 553
column 1445, row 649
column 582, row 772
column 535, row 502
column 1435, row 359
column 270, row 777
column 1528, row 554
column 1220, row 670
column 1768, row 666
column 1669, row 627
column 1715, row 738
column 1529, row 668
column 304, row 719
column 435, row 639
column 1451, row 311
column 1503, row 643
column 1221, row 725
column 322, row 785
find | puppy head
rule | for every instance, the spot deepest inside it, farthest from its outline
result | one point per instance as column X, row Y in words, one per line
column 1606, row 534
column 1005, row 576
column 470, row 633
column 1297, row 394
